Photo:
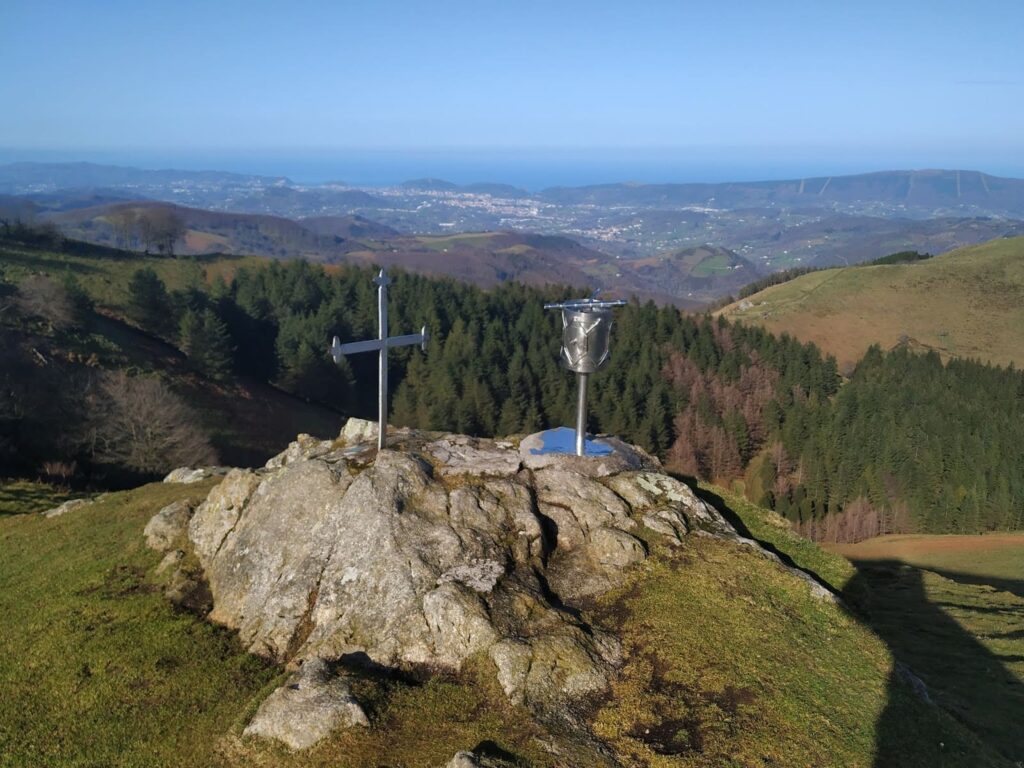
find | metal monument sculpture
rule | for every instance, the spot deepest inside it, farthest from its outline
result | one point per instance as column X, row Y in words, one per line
column 586, row 328
column 381, row 345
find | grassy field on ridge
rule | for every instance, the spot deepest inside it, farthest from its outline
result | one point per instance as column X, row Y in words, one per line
column 966, row 303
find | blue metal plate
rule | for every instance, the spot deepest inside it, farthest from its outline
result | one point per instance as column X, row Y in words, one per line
column 563, row 440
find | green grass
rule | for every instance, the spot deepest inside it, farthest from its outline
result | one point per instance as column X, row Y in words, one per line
column 965, row 303
column 717, row 264
column 728, row 662
column 965, row 640
column 106, row 278
column 18, row 497
column 95, row 666
column 97, row 669
column 772, row 529
column 993, row 557
column 731, row 663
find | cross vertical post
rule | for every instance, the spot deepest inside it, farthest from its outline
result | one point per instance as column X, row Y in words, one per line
column 581, row 413
column 380, row 345
column 382, row 281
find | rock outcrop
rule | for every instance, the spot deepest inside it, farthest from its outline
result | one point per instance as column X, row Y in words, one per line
column 188, row 475
column 168, row 526
column 312, row 703
column 67, row 506
column 421, row 557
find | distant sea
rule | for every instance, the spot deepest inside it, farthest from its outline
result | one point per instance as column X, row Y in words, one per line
column 531, row 169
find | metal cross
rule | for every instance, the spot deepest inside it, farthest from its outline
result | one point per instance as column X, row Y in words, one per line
column 381, row 344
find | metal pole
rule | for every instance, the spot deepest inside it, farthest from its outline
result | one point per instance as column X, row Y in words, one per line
column 581, row 414
column 382, row 392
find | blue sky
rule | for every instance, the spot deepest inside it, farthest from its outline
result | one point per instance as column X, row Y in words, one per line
column 883, row 84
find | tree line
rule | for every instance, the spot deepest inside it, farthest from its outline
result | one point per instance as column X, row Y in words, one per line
column 907, row 443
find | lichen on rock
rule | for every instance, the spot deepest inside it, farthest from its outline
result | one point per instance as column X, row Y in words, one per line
column 312, row 703
column 425, row 557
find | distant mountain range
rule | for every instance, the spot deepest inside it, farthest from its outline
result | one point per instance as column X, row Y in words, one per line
column 689, row 244
column 921, row 190
column 687, row 277
column 913, row 189
column 27, row 177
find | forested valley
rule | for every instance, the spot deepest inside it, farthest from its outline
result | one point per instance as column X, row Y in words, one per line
column 907, row 443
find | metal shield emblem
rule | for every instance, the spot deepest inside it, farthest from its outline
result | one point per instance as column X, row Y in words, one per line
column 585, row 337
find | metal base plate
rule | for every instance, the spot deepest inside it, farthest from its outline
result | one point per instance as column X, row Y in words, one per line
column 563, row 440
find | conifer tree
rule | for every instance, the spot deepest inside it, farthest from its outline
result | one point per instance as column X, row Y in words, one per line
column 148, row 302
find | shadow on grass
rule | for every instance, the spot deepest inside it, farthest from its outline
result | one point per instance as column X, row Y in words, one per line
column 961, row 675
column 1013, row 586
column 22, row 497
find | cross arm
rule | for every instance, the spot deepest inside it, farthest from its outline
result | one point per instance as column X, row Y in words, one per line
column 339, row 350
column 409, row 339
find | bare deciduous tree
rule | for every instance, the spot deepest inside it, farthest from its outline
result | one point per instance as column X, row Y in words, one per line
column 160, row 228
column 123, row 221
column 39, row 296
column 139, row 423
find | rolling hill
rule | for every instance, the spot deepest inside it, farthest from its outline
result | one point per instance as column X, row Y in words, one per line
column 698, row 274
column 967, row 303
column 348, row 227
column 207, row 231
column 488, row 258
column 482, row 258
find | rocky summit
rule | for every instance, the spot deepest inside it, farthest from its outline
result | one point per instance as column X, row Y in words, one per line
column 336, row 558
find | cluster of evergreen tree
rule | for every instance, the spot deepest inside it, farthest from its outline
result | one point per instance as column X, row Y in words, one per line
column 909, row 442
column 906, row 443
column 902, row 257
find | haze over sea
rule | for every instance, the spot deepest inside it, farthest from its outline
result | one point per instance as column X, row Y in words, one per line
column 535, row 168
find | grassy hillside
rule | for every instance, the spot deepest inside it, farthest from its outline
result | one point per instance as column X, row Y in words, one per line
column 697, row 274
column 965, row 303
column 729, row 662
column 104, row 273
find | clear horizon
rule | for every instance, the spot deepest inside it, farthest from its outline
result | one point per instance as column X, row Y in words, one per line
column 694, row 91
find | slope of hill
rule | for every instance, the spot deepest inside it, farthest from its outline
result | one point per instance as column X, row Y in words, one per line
column 244, row 418
column 488, row 258
column 698, row 274
column 729, row 661
column 206, row 231
column 966, row 303
column 483, row 258
column 348, row 227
